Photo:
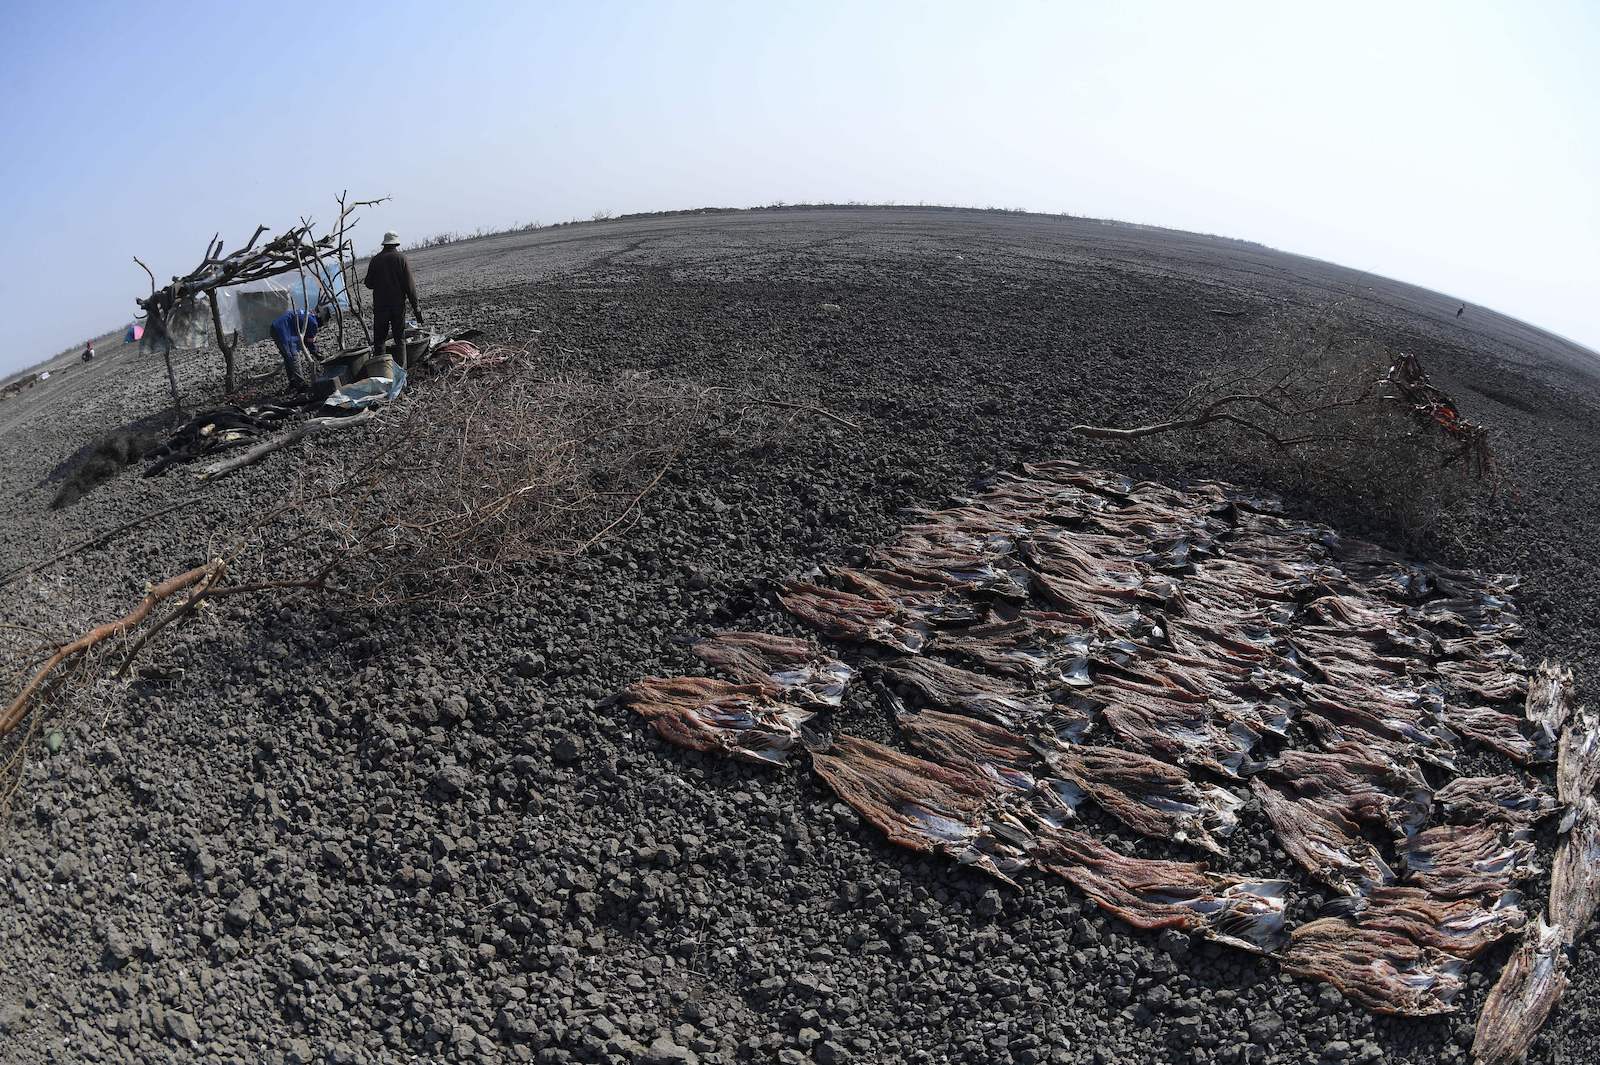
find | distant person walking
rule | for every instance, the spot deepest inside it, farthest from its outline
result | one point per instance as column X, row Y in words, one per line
column 88, row 351
column 287, row 332
column 389, row 278
column 1461, row 310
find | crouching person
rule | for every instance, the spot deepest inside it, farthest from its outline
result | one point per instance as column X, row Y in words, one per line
column 288, row 330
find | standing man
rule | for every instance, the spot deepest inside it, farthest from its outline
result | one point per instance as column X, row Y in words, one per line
column 88, row 351
column 389, row 278
column 288, row 330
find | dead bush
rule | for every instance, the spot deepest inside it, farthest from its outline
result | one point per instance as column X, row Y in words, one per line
column 1337, row 419
column 510, row 465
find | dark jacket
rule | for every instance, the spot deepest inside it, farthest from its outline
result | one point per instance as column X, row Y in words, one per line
column 389, row 278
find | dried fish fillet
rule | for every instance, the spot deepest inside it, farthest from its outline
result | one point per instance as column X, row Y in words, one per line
column 1521, row 1001
column 980, row 695
column 848, row 616
column 1482, row 679
column 926, row 806
column 1578, row 759
column 1179, row 732
column 1511, row 735
column 1457, row 861
column 1575, row 874
column 1505, row 799
column 1348, row 724
column 961, row 741
column 1363, row 786
column 792, row 666
column 1160, row 894
column 1323, row 842
column 1550, row 697
column 1044, row 655
column 1463, row 927
column 1148, row 795
column 1383, row 971
column 743, row 721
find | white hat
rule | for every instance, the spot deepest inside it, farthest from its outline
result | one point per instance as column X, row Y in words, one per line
column 391, row 237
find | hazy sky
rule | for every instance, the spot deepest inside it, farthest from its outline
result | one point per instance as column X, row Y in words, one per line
column 1456, row 145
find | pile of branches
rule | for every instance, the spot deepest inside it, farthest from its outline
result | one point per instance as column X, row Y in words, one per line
column 482, row 468
column 1408, row 385
column 1332, row 416
column 509, row 465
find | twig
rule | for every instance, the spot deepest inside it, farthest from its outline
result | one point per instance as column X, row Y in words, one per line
column 161, row 592
column 86, row 545
column 755, row 401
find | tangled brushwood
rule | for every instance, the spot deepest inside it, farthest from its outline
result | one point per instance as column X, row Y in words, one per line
column 484, row 466
column 511, row 465
column 1334, row 416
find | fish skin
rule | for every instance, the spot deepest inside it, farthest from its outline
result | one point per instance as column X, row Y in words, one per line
column 1505, row 799
column 1523, row 998
column 1146, row 794
column 1463, row 927
column 1458, row 861
column 1575, row 873
column 1323, row 842
column 791, row 667
column 743, row 721
column 1383, row 971
column 1550, row 696
column 1578, row 757
column 926, row 806
column 1154, row 893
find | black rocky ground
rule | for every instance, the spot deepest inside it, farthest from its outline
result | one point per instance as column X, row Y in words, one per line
column 353, row 837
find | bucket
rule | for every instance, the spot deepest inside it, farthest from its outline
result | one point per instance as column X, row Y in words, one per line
column 383, row 367
column 417, row 344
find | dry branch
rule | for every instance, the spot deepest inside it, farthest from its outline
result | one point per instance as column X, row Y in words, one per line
column 68, row 651
column 277, row 443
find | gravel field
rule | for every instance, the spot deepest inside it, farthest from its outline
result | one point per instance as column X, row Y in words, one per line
column 416, row 835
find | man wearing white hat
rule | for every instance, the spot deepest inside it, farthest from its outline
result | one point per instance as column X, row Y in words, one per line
column 389, row 278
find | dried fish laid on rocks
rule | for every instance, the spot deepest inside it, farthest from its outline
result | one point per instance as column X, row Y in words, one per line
column 1578, row 759
column 1515, row 737
column 1363, row 786
column 1146, row 794
column 1398, row 732
column 1463, row 927
column 1004, row 756
column 792, row 666
column 928, row 604
column 1188, row 734
column 1575, row 873
column 974, row 573
column 981, row 695
column 1489, row 681
column 744, row 721
column 1485, row 612
column 848, row 616
column 1384, row 971
column 1036, row 648
column 926, row 806
column 1550, row 697
column 1385, row 627
column 1521, row 1001
column 1323, row 842
column 1503, row 799
column 1459, row 861
column 1149, row 893
column 961, row 741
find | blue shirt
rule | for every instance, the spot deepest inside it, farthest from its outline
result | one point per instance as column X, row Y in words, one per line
column 286, row 329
